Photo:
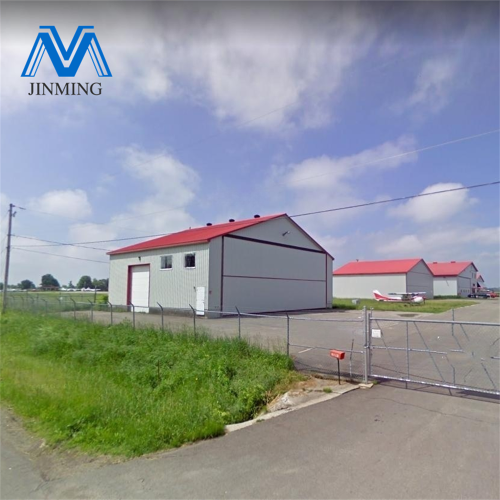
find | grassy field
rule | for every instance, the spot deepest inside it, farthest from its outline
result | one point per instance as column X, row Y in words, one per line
column 54, row 296
column 430, row 306
column 118, row 391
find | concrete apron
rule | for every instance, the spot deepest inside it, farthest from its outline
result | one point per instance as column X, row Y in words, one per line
column 296, row 399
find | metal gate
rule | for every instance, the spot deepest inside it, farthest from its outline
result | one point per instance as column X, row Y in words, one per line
column 452, row 354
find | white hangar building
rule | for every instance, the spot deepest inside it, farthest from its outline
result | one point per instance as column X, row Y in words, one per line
column 261, row 264
column 358, row 280
column 454, row 278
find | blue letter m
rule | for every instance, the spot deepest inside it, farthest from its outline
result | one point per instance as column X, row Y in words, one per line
column 73, row 58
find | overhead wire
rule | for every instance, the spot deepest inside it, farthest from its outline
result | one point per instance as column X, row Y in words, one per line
column 348, row 207
column 55, row 243
column 61, row 256
column 378, row 160
column 402, row 198
column 406, row 153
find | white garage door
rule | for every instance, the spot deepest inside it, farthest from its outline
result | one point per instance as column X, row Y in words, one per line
column 139, row 292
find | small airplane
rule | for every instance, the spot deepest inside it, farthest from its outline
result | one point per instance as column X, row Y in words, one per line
column 412, row 297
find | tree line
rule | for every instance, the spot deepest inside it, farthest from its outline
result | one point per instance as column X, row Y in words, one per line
column 48, row 282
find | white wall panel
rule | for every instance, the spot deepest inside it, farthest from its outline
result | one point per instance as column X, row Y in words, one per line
column 445, row 286
column 174, row 287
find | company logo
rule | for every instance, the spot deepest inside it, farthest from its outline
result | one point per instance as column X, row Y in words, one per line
column 66, row 62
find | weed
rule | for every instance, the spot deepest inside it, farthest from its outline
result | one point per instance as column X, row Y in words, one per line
column 116, row 390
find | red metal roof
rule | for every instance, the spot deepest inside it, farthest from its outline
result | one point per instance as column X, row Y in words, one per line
column 196, row 235
column 400, row 266
column 449, row 268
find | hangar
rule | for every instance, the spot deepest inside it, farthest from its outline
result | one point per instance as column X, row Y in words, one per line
column 358, row 279
column 262, row 264
column 454, row 278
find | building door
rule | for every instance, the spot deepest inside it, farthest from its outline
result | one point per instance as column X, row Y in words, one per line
column 139, row 288
column 200, row 300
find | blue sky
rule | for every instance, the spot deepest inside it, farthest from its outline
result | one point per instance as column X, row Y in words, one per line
column 220, row 110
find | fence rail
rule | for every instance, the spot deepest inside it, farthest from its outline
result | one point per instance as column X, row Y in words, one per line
column 462, row 355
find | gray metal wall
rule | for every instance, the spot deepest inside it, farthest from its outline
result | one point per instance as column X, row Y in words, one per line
column 174, row 287
column 420, row 279
column 361, row 287
column 258, row 277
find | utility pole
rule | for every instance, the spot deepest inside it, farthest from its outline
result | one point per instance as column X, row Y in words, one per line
column 7, row 258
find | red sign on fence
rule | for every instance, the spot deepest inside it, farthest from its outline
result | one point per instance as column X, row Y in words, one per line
column 337, row 354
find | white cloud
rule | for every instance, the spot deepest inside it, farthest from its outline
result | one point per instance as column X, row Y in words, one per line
column 329, row 182
column 172, row 187
column 435, row 208
column 433, row 87
column 70, row 203
column 239, row 62
column 440, row 243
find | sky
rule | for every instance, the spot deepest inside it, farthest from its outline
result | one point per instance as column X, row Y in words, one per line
column 219, row 110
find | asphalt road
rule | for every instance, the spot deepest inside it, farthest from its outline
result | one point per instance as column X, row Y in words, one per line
column 378, row 443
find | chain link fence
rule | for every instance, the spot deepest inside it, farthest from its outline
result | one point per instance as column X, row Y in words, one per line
column 447, row 353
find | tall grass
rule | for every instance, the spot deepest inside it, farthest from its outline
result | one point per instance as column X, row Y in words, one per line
column 121, row 391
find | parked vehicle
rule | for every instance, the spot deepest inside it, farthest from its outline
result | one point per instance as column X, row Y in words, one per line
column 483, row 294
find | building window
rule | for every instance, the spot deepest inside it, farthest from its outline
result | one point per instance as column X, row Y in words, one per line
column 189, row 260
column 166, row 262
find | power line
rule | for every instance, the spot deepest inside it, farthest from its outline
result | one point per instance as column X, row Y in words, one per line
column 62, row 256
column 55, row 243
column 396, row 199
column 475, row 186
column 406, row 153
column 107, row 241
column 111, row 223
column 426, row 148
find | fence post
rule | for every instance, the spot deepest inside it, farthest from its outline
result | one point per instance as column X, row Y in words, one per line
column 46, row 308
column 162, row 324
column 194, row 318
column 452, row 325
column 407, row 354
column 22, row 299
column 91, row 310
column 111, row 312
column 367, row 344
column 74, row 307
column 133, row 315
column 239, row 322
column 287, row 334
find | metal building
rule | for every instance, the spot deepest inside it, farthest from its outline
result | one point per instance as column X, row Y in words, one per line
column 261, row 264
column 358, row 280
column 454, row 278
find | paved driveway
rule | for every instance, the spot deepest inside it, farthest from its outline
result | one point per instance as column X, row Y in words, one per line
column 379, row 443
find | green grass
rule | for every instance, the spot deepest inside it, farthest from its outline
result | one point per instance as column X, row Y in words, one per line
column 430, row 306
column 121, row 391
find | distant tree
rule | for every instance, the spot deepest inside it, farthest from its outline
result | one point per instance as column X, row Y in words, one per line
column 48, row 281
column 1, row 286
column 26, row 285
column 84, row 282
column 70, row 284
column 101, row 284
